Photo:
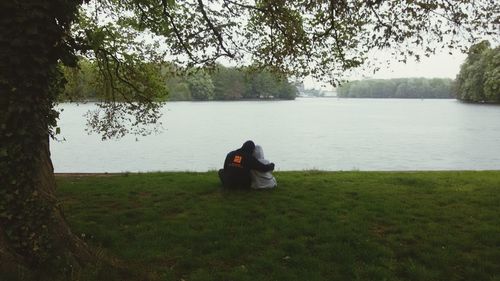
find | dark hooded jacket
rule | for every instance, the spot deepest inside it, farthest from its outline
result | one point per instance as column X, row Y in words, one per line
column 238, row 164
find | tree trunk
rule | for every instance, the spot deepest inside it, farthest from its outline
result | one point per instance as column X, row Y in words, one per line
column 34, row 235
column 67, row 244
column 10, row 262
column 64, row 245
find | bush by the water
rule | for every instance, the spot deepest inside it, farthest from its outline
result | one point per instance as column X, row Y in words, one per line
column 479, row 77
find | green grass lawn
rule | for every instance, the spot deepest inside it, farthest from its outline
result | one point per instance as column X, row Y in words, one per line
column 314, row 226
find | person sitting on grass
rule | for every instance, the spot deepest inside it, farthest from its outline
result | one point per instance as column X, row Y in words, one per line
column 237, row 166
column 261, row 180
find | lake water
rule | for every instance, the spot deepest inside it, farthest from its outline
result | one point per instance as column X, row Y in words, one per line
column 308, row 133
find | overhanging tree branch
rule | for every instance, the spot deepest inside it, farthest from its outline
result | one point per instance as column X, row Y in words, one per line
column 215, row 31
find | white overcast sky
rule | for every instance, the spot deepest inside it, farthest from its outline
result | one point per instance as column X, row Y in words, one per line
column 440, row 65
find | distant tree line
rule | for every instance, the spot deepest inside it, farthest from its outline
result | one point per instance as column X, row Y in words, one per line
column 479, row 76
column 423, row 88
column 221, row 83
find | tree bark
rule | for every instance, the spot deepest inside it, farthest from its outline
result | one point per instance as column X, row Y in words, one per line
column 73, row 251
column 34, row 235
column 10, row 262
column 67, row 244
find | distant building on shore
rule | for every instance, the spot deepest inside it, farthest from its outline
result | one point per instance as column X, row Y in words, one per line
column 313, row 92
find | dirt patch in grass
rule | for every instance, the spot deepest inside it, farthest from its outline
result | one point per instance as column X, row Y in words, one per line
column 87, row 174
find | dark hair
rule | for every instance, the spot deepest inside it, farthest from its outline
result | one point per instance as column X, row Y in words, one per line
column 248, row 146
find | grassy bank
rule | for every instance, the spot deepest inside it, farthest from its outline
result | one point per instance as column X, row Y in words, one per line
column 315, row 226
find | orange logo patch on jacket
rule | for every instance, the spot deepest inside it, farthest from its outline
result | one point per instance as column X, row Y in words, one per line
column 237, row 159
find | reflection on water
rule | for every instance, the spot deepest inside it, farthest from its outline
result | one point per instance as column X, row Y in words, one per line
column 322, row 133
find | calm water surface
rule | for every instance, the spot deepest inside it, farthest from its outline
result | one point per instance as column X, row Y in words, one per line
column 321, row 133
